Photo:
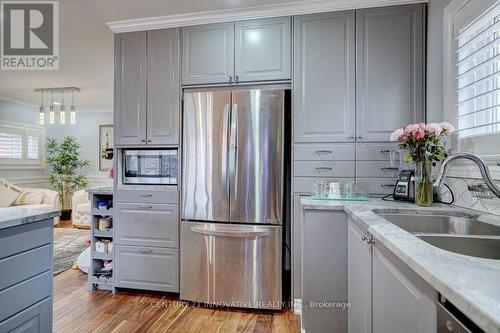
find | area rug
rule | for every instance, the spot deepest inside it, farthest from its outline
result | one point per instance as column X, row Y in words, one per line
column 68, row 244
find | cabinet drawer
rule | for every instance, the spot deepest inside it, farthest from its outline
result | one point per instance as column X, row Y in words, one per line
column 24, row 265
column 376, row 185
column 147, row 196
column 324, row 168
column 375, row 151
column 35, row 319
column 24, row 294
column 305, row 184
column 147, row 268
column 147, row 224
column 376, row 169
column 323, row 152
column 25, row 237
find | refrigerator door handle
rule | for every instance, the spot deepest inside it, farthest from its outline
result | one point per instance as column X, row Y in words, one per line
column 242, row 233
column 233, row 154
column 225, row 149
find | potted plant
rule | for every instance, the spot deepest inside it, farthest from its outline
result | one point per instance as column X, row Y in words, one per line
column 425, row 144
column 65, row 171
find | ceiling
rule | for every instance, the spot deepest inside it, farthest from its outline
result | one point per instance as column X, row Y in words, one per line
column 86, row 47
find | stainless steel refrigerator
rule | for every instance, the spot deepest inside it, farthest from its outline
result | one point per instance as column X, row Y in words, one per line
column 232, row 197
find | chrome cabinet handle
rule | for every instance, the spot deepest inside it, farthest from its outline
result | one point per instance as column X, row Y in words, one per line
column 389, row 168
column 385, row 151
column 236, row 78
column 323, row 151
column 359, row 137
column 351, row 137
column 146, row 250
column 146, row 207
column 143, row 140
column 149, row 140
column 364, row 238
column 230, row 78
column 323, row 168
column 387, row 185
column 145, row 195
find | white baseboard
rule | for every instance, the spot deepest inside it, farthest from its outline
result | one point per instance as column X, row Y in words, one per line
column 42, row 182
column 297, row 306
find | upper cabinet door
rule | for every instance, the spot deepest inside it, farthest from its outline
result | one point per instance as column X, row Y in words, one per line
column 208, row 53
column 389, row 70
column 130, row 88
column 324, row 77
column 262, row 50
column 163, row 87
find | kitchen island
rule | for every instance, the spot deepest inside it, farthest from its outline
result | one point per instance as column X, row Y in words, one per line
column 26, row 243
column 388, row 275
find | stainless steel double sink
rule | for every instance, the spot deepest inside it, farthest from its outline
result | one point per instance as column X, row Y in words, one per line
column 453, row 231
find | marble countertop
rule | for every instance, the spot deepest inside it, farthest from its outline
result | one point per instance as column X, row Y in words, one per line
column 100, row 190
column 471, row 284
column 17, row 215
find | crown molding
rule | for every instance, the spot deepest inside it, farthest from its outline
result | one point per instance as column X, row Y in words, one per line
column 249, row 13
column 16, row 101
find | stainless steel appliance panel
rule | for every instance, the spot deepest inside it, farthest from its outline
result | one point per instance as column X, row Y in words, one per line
column 205, row 194
column 231, row 264
column 256, row 156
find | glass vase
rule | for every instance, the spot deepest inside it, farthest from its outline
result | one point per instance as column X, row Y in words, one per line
column 423, row 183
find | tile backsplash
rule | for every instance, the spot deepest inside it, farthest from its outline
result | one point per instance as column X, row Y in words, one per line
column 464, row 198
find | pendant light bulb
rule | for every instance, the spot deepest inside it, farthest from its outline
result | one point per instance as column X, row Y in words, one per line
column 72, row 114
column 41, row 114
column 52, row 113
column 62, row 109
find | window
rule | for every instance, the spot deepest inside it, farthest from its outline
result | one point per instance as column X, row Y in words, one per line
column 20, row 147
column 477, row 75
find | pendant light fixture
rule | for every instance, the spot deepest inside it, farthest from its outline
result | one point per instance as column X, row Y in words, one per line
column 41, row 114
column 52, row 113
column 62, row 110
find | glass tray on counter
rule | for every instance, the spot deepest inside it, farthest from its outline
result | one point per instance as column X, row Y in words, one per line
column 350, row 198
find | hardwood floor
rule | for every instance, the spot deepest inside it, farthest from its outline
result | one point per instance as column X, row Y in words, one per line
column 78, row 310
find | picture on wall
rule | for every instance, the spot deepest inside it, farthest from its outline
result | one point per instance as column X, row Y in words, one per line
column 105, row 147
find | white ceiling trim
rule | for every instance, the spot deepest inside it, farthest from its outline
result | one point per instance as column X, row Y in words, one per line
column 249, row 13
column 15, row 101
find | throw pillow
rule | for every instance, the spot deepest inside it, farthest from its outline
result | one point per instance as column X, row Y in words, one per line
column 30, row 198
column 8, row 193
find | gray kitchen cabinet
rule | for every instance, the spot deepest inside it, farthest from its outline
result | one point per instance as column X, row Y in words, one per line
column 359, row 274
column 163, row 105
column 147, row 87
column 263, row 50
column 324, row 77
column 130, row 88
column 145, row 224
column 36, row 318
column 208, row 54
column 324, row 271
column 402, row 301
column 148, row 268
column 389, row 70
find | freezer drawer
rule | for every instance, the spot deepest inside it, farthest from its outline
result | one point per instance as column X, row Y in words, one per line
column 148, row 268
column 146, row 224
column 231, row 264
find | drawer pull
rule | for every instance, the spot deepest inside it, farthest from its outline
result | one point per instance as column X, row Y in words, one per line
column 388, row 185
column 389, row 168
column 145, row 195
column 146, row 207
column 385, row 151
column 146, row 250
column 323, row 168
column 323, row 151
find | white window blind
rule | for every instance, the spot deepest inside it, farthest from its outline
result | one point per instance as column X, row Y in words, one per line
column 11, row 146
column 477, row 75
column 32, row 147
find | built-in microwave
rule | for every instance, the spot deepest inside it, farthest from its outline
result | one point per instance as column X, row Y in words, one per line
column 148, row 166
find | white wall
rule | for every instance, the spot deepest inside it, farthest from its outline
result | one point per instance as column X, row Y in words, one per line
column 86, row 133
column 20, row 114
column 435, row 97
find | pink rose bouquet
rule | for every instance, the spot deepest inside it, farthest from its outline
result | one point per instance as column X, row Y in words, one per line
column 425, row 142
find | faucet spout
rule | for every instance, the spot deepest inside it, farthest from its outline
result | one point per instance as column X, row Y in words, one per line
column 483, row 168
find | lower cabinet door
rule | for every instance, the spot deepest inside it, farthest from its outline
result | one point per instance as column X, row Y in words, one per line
column 359, row 274
column 35, row 319
column 147, row 268
column 402, row 301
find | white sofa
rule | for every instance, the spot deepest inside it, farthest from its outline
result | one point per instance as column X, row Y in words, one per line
column 35, row 197
column 80, row 209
